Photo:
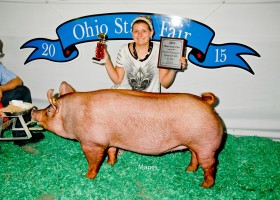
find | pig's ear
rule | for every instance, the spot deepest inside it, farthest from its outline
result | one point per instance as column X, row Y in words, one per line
column 50, row 97
column 65, row 88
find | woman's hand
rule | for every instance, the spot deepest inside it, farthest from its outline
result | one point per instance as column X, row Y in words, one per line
column 184, row 63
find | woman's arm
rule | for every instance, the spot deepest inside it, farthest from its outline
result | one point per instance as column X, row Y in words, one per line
column 167, row 76
column 116, row 74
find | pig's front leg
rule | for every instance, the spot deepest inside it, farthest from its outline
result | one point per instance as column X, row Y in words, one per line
column 94, row 155
column 112, row 155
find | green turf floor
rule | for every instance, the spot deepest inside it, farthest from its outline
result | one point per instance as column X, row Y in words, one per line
column 54, row 169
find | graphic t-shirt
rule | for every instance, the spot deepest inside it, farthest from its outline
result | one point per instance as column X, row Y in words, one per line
column 139, row 75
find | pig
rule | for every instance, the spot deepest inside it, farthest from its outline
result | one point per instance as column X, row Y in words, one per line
column 142, row 122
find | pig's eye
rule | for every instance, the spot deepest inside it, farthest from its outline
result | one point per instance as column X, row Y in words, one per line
column 48, row 113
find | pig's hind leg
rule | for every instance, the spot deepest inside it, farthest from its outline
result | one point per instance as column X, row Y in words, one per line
column 94, row 155
column 207, row 162
column 193, row 163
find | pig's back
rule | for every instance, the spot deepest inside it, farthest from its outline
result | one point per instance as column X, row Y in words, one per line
column 146, row 101
column 132, row 102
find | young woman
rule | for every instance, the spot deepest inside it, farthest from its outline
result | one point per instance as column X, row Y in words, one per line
column 136, row 64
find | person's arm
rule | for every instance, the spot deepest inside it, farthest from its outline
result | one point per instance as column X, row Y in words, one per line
column 167, row 76
column 116, row 74
column 10, row 85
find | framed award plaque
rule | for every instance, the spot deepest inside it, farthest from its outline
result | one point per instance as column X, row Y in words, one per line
column 170, row 52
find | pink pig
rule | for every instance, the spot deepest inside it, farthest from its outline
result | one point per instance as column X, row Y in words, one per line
column 141, row 122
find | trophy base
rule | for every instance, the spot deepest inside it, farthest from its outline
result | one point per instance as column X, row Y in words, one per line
column 98, row 61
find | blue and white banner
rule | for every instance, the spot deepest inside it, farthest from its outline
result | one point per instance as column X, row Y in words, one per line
column 117, row 26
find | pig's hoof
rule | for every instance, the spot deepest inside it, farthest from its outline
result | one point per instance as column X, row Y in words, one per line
column 207, row 184
column 90, row 175
column 111, row 162
column 191, row 168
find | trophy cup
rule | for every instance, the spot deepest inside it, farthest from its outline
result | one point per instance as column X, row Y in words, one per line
column 100, row 48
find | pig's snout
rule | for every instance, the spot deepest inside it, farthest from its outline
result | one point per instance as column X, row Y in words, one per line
column 34, row 113
column 36, row 116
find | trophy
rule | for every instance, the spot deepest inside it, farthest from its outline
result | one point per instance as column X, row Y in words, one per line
column 99, row 50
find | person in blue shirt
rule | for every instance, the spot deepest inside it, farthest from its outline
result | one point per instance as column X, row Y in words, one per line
column 12, row 88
